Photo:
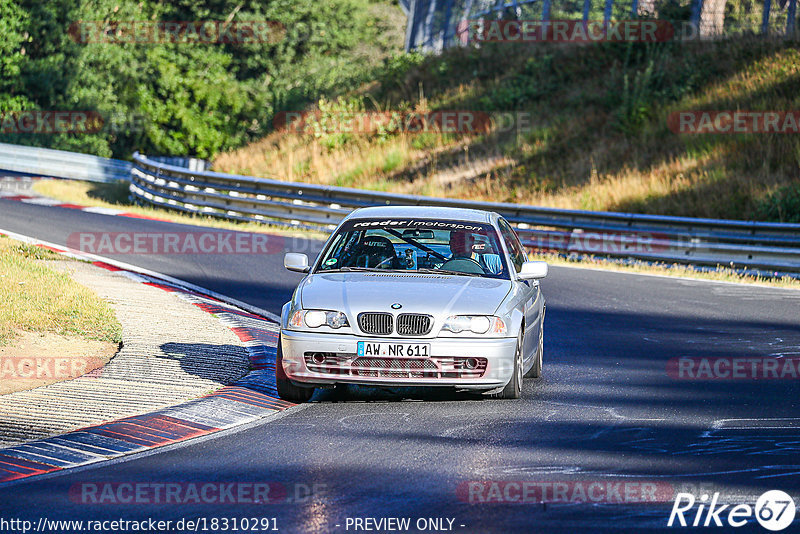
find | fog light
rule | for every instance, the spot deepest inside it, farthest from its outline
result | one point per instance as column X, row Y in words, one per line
column 318, row 358
column 470, row 363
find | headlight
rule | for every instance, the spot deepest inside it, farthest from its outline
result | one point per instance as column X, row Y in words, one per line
column 317, row 318
column 477, row 324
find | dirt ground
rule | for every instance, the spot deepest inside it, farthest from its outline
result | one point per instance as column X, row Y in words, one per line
column 35, row 359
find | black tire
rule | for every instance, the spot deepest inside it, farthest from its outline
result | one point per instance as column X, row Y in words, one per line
column 513, row 389
column 286, row 389
column 536, row 369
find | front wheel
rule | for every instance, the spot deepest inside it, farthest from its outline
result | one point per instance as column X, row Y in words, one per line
column 536, row 369
column 286, row 389
column 513, row 389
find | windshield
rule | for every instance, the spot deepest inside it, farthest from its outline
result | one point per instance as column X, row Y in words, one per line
column 418, row 245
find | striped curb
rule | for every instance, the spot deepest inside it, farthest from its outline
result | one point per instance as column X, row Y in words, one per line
column 53, row 203
column 251, row 398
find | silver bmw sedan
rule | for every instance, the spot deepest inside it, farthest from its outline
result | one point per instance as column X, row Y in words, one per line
column 414, row 296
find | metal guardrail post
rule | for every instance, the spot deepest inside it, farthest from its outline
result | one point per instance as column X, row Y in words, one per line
column 765, row 17
column 607, row 12
column 411, row 26
column 446, row 33
column 696, row 15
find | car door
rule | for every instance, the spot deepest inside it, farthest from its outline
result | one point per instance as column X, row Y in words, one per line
column 532, row 295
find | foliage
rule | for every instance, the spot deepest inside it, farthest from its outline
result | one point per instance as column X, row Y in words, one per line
column 187, row 97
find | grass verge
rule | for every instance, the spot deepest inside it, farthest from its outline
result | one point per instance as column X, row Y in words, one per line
column 37, row 299
column 720, row 274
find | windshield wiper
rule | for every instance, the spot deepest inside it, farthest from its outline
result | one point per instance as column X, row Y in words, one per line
column 445, row 271
column 353, row 269
column 407, row 271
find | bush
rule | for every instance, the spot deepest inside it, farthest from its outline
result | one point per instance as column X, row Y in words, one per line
column 783, row 205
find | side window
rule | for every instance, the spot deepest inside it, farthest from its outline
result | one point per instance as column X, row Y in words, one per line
column 518, row 256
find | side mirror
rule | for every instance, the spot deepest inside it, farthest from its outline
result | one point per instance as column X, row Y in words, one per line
column 296, row 262
column 532, row 270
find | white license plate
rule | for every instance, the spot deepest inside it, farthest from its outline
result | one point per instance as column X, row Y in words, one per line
column 399, row 350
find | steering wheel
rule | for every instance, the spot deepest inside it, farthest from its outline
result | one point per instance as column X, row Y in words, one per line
column 463, row 265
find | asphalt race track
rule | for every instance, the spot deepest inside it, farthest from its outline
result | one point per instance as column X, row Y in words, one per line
column 606, row 411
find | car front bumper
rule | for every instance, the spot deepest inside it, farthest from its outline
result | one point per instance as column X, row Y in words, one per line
column 444, row 367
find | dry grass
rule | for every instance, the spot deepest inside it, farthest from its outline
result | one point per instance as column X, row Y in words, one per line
column 576, row 155
column 37, row 299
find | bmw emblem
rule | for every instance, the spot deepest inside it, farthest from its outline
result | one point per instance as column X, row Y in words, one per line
column 396, row 306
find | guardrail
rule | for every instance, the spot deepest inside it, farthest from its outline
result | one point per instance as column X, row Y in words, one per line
column 773, row 247
column 765, row 247
column 62, row 164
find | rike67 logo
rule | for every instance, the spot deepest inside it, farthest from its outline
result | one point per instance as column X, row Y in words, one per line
column 774, row 510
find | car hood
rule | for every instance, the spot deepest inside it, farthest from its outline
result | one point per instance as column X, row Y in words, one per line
column 437, row 295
